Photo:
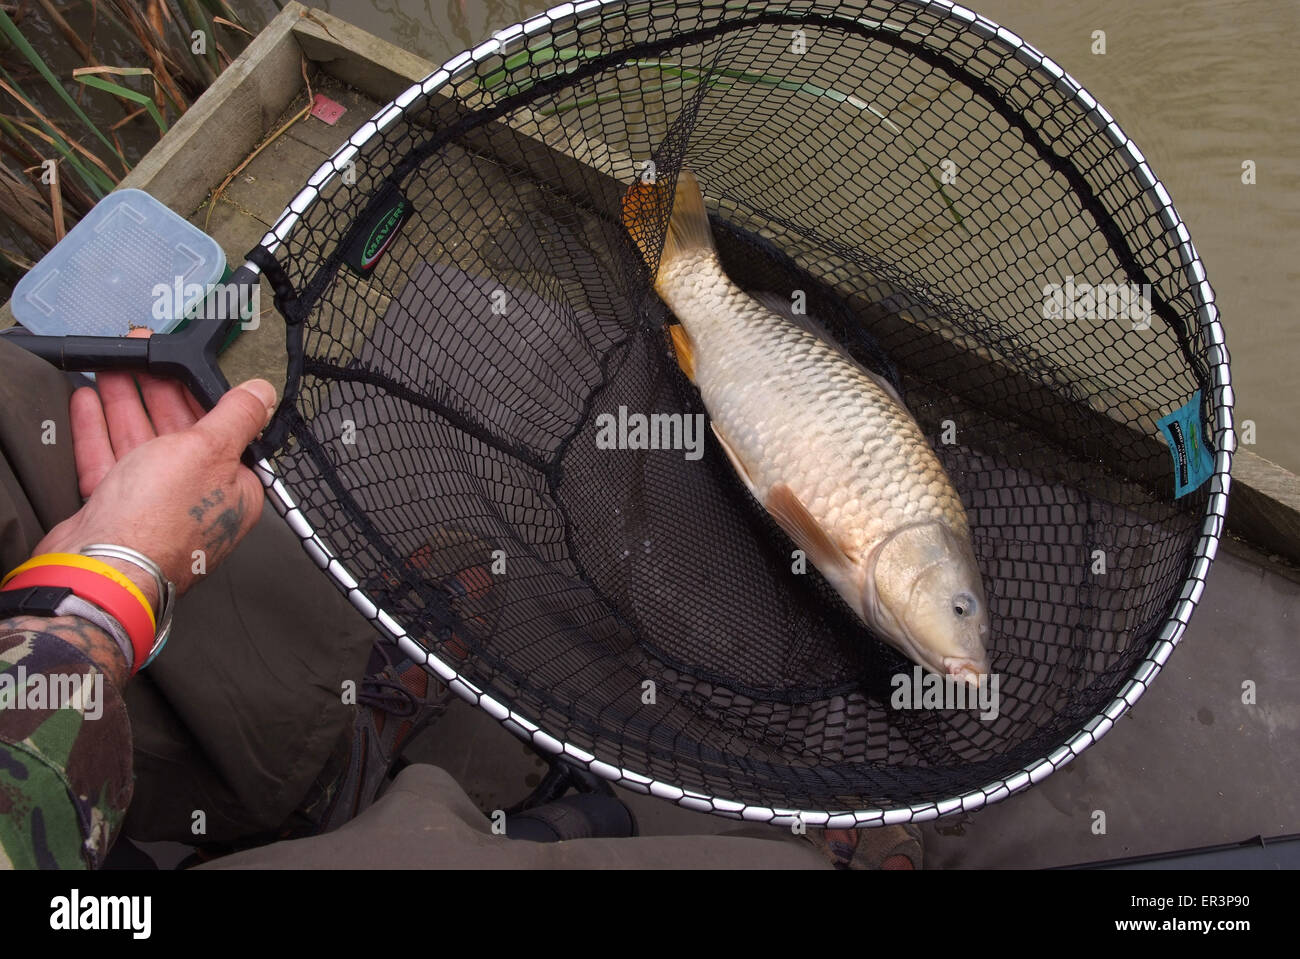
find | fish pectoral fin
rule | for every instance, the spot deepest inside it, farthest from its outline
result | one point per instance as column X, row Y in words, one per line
column 736, row 464
column 683, row 350
column 791, row 515
column 802, row 527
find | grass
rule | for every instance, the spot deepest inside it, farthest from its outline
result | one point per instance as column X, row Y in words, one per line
column 133, row 58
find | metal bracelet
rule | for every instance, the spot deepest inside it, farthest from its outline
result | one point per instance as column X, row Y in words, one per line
column 166, row 588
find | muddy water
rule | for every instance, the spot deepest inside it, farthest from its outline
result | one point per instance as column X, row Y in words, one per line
column 1200, row 85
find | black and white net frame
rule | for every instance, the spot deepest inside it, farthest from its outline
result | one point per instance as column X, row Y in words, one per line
column 976, row 35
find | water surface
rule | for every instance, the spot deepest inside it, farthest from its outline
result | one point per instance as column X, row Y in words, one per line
column 1200, row 85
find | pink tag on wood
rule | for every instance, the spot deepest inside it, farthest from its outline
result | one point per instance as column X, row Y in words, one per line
column 323, row 108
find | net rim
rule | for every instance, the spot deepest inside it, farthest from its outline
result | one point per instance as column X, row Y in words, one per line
column 1143, row 673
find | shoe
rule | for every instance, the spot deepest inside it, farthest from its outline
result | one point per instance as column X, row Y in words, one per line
column 467, row 590
column 883, row 847
column 584, row 816
column 397, row 699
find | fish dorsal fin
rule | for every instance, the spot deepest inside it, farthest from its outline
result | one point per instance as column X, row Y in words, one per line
column 683, row 349
column 783, row 308
column 741, row 470
column 803, row 528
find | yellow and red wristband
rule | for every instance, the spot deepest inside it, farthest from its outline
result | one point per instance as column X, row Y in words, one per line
column 97, row 583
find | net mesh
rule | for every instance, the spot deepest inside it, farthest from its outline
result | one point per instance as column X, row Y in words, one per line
column 921, row 184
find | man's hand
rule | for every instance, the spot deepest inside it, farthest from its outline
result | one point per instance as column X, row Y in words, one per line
column 167, row 482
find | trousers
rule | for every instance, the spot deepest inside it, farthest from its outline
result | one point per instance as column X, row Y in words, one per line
column 235, row 721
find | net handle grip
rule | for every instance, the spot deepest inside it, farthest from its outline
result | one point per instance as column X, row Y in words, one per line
column 189, row 355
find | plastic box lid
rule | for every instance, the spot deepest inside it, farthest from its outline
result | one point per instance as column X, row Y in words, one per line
column 126, row 264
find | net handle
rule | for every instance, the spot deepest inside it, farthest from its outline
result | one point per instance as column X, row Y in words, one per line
column 188, row 355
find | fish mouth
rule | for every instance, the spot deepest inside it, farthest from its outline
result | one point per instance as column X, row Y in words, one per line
column 969, row 670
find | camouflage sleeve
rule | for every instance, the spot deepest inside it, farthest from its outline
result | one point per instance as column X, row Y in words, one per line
column 65, row 745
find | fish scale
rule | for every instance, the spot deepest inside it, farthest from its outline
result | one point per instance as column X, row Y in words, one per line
column 798, row 412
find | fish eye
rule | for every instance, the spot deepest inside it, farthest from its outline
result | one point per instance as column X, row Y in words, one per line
column 964, row 604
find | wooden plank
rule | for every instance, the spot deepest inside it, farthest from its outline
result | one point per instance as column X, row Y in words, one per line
column 266, row 186
column 227, row 121
column 381, row 70
column 318, row 134
column 373, row 66
column 1264, row 505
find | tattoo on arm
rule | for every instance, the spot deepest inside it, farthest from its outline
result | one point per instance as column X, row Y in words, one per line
column 206, row 505
column 223, row 532
column 80, row 634
column 219, row 521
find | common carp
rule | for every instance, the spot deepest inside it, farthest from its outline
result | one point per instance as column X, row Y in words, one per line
column 825, row 445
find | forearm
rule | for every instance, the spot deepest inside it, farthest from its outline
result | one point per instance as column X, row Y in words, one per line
column 65, row 742
column 82, row 635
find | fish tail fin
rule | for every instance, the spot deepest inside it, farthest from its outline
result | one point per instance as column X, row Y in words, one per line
column 688, row 227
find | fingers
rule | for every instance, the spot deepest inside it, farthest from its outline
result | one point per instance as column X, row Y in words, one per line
column 195, row 406
column 128, row 423
column 167, row 404
column 91, row 448
column 240, row 416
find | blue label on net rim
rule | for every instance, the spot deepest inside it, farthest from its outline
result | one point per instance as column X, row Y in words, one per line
column 1193, row 462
